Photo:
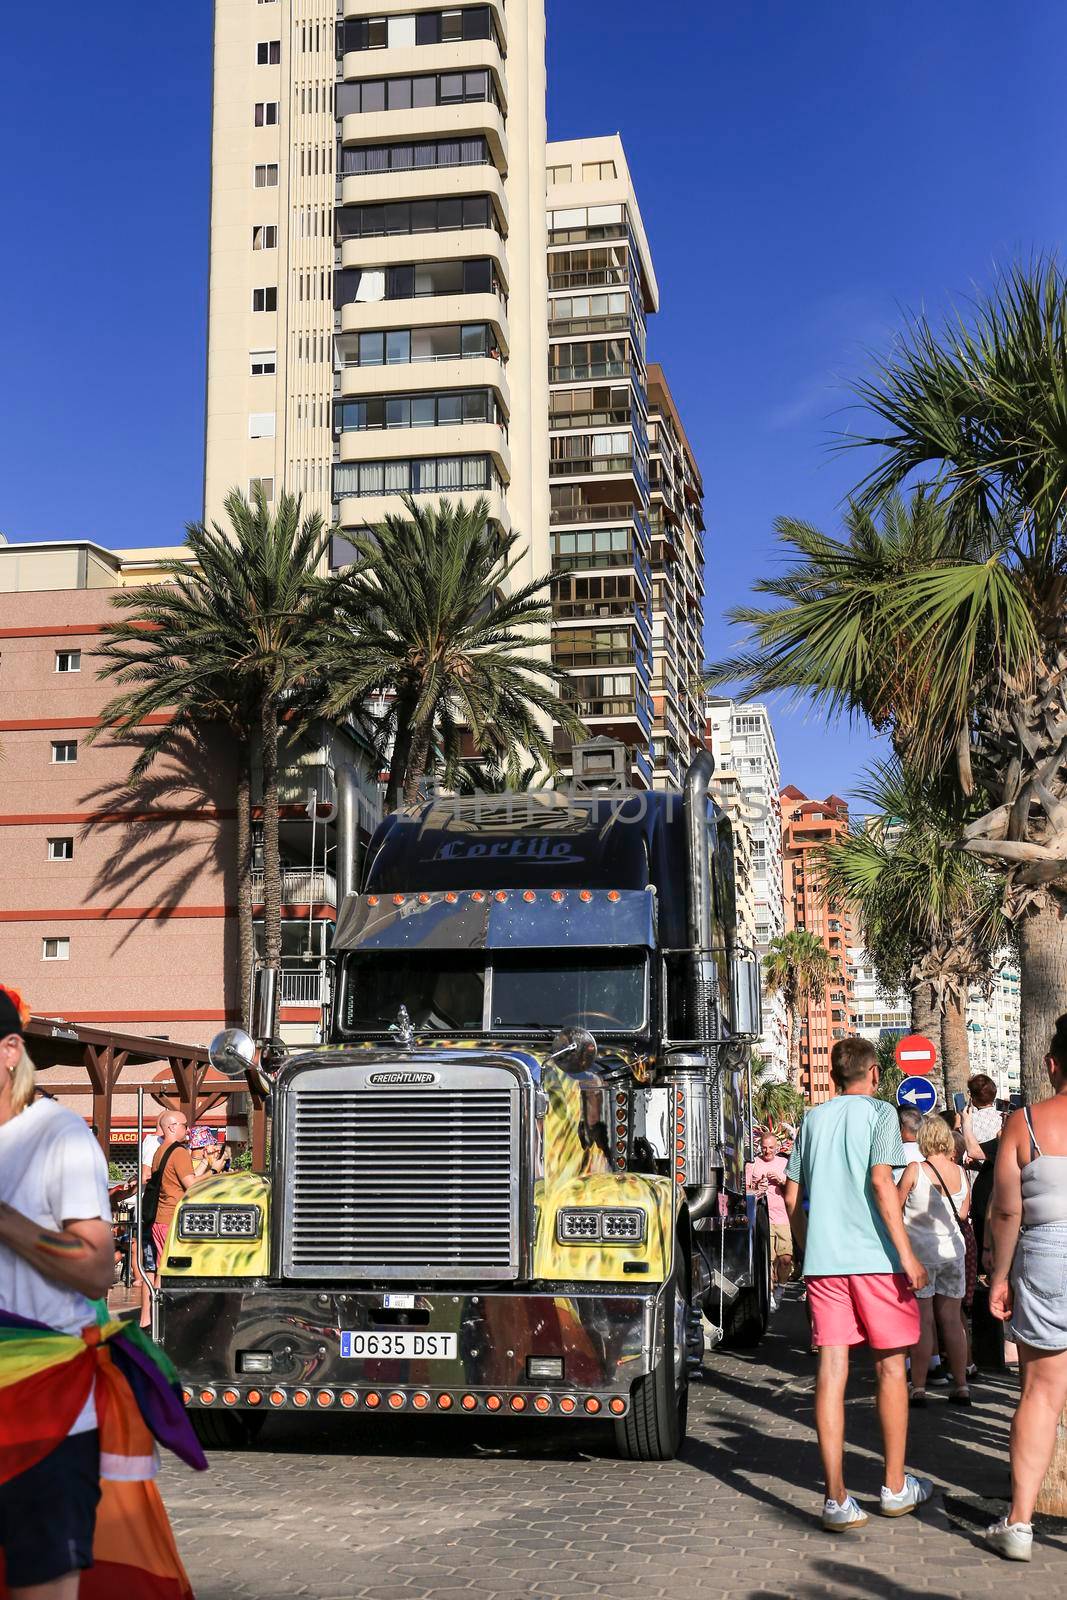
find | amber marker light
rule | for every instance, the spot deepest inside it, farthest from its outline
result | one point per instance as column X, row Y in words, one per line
column 518, row 1402
column 373, row 1400
column 613, row 895
column 230, row 1397
column 254, row 1397
column 500, row 895
column 568, row 1403
column 187, row 1396
column 398, row 899
column 451, row 896
column 468, row 1402
column 207, row 1397
column 492, row 1402
column 478, row 894
column 557, row 896
column 592, row 1405
column 324, row 1398
column 420, row 1401
column 277, row 1397
column 444, row 1402
column 585, row 895
column 529, row 896
column 348, row 1399
column 372, row 899
column 301, row 1397
column 396, row 1400
column 424, row 899
column 617, row 1405
column 542, row 1403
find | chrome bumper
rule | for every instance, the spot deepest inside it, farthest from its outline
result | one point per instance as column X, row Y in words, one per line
column 606, row 1340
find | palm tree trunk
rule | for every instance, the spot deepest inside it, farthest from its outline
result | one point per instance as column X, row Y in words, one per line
column 399, row 760
column 794, row 1047
column 1043, row 987
column 954, row 1052
column 272, row 868
column 926, row 1019
column 420, row 751
column 245, row 931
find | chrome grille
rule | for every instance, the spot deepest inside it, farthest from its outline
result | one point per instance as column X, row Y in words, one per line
column 413, row 1183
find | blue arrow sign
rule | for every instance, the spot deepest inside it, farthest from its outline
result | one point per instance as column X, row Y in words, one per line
column 918, row 1093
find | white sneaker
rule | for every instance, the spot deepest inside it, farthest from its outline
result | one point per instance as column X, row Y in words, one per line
column 1012, row 1540
column 916, row 1492
column 843, row 1518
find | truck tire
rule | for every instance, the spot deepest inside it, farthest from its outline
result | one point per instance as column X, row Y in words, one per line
column 745, row 1321
column 654, row 1428
column 226, row 1430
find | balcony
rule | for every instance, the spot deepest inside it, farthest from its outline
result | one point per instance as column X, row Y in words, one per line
column 303, row 986
column 452, row 439
column 428, row 311
column 300, row 886
column 437, row 372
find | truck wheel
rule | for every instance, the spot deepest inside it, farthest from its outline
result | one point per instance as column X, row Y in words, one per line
column 655, row 1425
column 226, row 1430
column 745, row 1321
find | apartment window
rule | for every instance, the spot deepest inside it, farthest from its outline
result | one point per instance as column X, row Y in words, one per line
column 61, row 849
column 352, row 285
column 597, row 171
column 256, row 485
column 55, row 949
column 268, row 52
column 415, row 410
column 559, row 174
column 438, row 474
column 261, row 425
column 358, row 160
column 265, row 299
column 263, row 363
column 445, row 343
column 265, row 237
column 265, row 114
column 266, row 175
column 404, row 94
column 429, row 27
column 64, row 751
column 415, row 216
column 68, row 660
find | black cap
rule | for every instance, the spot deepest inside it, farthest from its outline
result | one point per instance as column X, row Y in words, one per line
column 10, row 1014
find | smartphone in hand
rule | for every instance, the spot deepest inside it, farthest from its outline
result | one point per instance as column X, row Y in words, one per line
column 959, row 1100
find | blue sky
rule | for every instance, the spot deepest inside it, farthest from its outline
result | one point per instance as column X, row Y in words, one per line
column 806, row 173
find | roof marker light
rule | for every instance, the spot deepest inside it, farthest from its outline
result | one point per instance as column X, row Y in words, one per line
column 277, row 1397
column 529, row 896
column 501, row 895
column 207, row 1397
column 478, row 895
column 398, row 899
column 613, row 895
column 230, row 1397
column 424, row 899
column 585, row 895
column 617, row 1405
column 451, row 896
column 542, row 1403
column 518, row 1402
column 557, row 895
column 420, row 1401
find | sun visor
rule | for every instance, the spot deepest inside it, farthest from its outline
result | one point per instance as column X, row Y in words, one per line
column 481, row 921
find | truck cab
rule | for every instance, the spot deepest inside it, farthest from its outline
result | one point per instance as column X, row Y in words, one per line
column 513, row 1178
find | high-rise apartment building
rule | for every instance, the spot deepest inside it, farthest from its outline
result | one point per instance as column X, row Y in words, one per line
column 601, row 287
column 874, row 1012
column 808, row 826
column 377, row 282
column 740, row 736
column 993, row 1027
column 626, row 491
column 677, row 525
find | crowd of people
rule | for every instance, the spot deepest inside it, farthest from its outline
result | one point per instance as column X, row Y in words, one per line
column 897, row 1223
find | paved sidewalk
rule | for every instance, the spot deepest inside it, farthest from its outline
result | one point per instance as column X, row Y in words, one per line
column 405, row 1509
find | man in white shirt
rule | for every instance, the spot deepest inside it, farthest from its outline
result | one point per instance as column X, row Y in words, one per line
column 149, row 1145
column 56, row 1258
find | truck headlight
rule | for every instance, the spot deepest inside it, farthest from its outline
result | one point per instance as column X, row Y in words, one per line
column 600, row 1225
column 219, row 1222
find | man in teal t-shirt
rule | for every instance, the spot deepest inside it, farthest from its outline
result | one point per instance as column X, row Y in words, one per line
column 859, row 1269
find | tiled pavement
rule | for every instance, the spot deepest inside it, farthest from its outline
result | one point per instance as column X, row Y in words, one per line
column 406, row 1509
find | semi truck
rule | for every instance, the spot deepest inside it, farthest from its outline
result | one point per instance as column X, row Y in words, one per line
column 511, row 1181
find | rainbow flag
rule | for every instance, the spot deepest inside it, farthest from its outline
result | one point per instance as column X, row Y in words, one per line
column 45, row 1379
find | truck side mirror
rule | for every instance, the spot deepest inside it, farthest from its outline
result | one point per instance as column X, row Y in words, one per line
column 746, row 999
column 265, row 1003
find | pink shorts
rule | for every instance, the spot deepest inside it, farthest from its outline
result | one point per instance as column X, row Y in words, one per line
column 159, row 1239
column 875, row 1308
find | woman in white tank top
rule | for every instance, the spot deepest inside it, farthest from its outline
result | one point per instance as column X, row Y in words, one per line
column 936, row 1197
column 1028, row 1220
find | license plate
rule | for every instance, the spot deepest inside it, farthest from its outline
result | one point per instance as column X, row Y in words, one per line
column 407, row 1346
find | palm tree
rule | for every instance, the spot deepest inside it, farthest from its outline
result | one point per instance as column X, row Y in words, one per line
column 439, row 636
column 930, row 914
column 234, row 638
column 798, row 966
column 773, row 1101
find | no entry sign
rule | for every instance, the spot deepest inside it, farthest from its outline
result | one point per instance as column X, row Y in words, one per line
column 916, row 1054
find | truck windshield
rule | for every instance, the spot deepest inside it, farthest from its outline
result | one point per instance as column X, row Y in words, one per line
column 447, row 992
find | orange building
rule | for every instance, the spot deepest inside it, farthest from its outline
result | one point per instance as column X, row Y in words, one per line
column 808, row 826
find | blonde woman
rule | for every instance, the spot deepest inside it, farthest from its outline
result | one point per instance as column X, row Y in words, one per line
column 936, row 1197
